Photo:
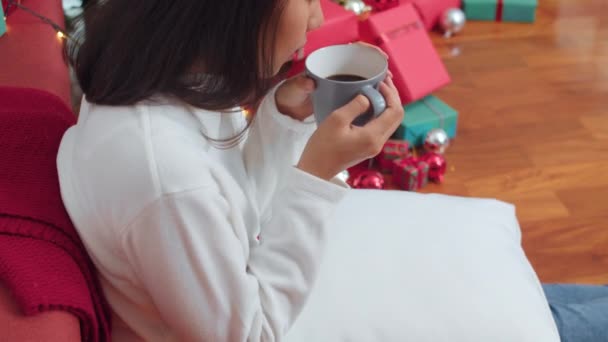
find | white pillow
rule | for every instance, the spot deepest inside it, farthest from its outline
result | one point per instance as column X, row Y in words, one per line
column 409, row 267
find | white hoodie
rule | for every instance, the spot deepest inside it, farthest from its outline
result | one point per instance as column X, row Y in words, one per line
column 172, row 223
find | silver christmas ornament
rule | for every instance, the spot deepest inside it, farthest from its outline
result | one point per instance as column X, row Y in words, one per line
column 452, row 21
column 357, row 6
column 437, row 141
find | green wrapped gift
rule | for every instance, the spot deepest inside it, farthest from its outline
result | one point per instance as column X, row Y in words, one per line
column 501, row 10
column 2, row 22
column 425, row 115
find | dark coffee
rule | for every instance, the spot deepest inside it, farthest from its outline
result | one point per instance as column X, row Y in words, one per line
column 346, row 78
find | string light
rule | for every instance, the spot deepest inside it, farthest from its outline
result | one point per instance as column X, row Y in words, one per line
column 61, row 34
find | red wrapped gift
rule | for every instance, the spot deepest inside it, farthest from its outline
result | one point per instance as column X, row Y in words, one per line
column 423, row 172
column 420, row 165
column 381, row 5
column 392, row 150
column 418, row 70
column 340, row 27
column 431, row 10
column 406, row 175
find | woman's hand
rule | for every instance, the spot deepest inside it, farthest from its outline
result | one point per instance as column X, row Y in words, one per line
column 293, row 97
column 338, row 145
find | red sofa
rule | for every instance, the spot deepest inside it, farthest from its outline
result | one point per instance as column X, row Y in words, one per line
column 49, row 290
column 35, row 97
column 21, row 108
column 50, row 326
column 31, row 54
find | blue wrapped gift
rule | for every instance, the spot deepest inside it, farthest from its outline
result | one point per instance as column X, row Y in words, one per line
column 425, row 115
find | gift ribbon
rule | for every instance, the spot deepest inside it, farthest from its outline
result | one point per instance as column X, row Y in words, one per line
column 499, row 9
column 436, row 111
column 408, row 170
column 386, row 37
column 395, row 148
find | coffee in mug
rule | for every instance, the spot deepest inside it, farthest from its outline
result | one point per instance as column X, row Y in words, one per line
column 346, row 78
column 341, row 72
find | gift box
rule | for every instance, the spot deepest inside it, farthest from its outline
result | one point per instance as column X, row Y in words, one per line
column 430, row 11
column 417, row 68
column 501, row 10
column 423, row 172
column 406, row 175
column 382, row 5
column 340, row 27
column 391, row 151
column 425, row 115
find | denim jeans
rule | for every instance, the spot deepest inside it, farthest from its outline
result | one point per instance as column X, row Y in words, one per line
column 580, row 311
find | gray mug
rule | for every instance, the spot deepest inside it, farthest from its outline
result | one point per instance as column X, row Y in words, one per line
column 341, row 72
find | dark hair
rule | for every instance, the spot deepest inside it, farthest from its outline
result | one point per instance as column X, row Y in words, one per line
column 131, row 50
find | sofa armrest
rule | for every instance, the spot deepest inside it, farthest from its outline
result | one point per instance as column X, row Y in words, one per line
column 51, row 326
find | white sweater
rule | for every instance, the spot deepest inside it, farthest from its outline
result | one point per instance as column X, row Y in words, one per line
column 172, row 223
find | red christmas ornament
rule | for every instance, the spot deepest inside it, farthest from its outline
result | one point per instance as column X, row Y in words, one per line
column 357, row 169
column 437, row 166
column 368, row 179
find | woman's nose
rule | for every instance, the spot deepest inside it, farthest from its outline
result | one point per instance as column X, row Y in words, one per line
column 317, row 18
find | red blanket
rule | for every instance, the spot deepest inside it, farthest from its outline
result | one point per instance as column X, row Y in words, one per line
column 42, row 260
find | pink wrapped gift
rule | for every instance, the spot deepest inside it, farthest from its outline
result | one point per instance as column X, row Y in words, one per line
column 381, row 5
column 340, row 27
column 418, row 70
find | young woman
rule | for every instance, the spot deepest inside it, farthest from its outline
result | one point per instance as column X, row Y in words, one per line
column 199, row 183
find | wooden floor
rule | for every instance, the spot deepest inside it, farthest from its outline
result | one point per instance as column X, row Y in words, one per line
column 533, row 130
